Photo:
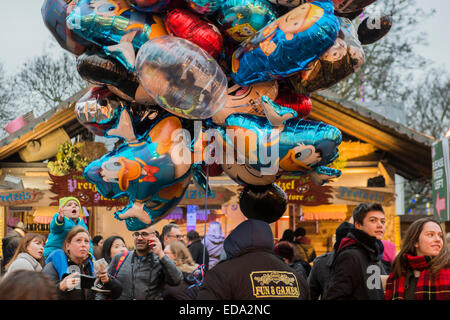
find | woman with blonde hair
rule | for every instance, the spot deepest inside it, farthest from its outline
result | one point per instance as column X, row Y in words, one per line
column 187, row 289
column 421, row 270
column 28, row 255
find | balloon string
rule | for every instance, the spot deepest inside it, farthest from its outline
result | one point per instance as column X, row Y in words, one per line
column 205, row 212
column 362, row 74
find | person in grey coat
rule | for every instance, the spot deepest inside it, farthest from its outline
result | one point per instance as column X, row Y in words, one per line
column 143, row 272
column 28, row 255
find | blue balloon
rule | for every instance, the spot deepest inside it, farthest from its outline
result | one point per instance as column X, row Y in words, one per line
column 241, row 19
column 115, row 26
column 147, row 171
column 287, row 45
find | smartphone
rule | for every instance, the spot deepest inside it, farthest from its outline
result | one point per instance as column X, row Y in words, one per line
column 86, row 282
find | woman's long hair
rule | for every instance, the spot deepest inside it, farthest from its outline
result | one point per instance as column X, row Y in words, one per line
column 411, row 238
column 22, row 247
column 183, row 257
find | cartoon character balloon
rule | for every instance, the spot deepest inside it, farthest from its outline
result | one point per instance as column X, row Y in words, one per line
column 54, row 13
column 149, row 171
column 114, row 26
column 287, row 45
column 181, row 77
column 344, row 58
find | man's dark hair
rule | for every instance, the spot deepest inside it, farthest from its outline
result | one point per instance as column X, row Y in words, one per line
column 285, row 250
column 193, row 235
column 361, row 210
column 96, row 239
column 299, row 232
column 167, row 228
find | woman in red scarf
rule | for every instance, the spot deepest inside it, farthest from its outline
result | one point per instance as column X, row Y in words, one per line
column 421, row 270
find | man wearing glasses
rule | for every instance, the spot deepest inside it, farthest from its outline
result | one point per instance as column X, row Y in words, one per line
column 144, row 271
column 171, row 232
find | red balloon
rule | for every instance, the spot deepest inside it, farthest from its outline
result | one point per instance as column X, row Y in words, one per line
column 299, row 102
column 187, row 25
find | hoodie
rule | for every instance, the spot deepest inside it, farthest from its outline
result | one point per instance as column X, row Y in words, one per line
column 251, row 270
column 24, row 261
column 213, row 242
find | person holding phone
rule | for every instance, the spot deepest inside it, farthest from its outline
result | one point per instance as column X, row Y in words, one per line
column 144, row 271
column 72, row 269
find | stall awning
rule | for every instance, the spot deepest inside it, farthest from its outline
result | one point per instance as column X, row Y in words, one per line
column 44, row 214
column 336, row 212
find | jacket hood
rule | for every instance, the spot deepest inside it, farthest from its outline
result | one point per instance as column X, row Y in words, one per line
column 341, row 231
column 250, row 234
column 362, row 239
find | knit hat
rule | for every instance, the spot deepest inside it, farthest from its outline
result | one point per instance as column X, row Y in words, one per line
column 63, row 201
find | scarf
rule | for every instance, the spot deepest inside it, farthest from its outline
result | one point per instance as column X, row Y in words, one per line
column 427, row 288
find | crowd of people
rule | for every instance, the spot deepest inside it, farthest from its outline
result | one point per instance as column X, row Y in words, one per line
column 247, row 264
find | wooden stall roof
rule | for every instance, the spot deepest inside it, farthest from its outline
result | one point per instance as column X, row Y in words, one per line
column 407, row 150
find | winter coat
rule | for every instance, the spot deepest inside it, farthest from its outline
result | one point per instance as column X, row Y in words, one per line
column 24, row 261
column 143, row 278
column 187, row 289
column 252, row 271
column 214, row 244
column 10, row 244
column 356, row 269
column 196, row 249
column 60, row 266
column 58, row 232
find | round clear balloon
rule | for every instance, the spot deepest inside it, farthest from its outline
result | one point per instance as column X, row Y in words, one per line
column 181, row 77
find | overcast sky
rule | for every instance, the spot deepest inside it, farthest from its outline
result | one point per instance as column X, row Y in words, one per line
column 24, row 35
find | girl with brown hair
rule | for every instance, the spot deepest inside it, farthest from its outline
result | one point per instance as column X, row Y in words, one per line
column 421, row 270
column 186, row 290
column 28, row 255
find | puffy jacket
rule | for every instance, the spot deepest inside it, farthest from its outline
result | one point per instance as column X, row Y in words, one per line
column 356, row 269
column 251, row 270
column 58, row 267
column 24, row 261
column 144, row 278
column 58, row 232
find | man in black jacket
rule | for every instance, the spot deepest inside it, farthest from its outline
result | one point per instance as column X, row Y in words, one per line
column 357, row 269
column 251, row 270
column 197, row 249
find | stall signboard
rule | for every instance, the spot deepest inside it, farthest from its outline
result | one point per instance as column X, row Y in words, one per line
column 74, row 184
column 441, row 179
column 217, row 196
column 365, row 195
column 303, row 191
column 16, row 197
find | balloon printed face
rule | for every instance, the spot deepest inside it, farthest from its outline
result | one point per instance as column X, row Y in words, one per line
column 287, row 45
column 181, row 77
column 344, row 58
column 243, row 18
column 115, row 26
column 141, row 170
column 246, row 99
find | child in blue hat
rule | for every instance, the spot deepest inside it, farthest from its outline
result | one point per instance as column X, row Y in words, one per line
column 67, row 218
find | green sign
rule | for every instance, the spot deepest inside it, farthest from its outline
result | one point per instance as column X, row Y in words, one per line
column 441, row 179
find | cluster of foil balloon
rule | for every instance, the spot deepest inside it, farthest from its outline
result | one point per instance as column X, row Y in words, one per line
column 168, row 73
